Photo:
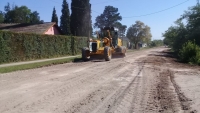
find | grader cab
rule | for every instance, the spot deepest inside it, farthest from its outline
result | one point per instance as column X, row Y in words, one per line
column 105, row 46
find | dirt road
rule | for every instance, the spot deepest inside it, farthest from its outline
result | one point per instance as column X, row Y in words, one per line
column 141, row 82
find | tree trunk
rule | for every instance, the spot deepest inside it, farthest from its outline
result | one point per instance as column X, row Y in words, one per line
column 136, row 45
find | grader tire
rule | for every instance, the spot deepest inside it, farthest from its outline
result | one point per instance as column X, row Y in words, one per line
column 107, row 53
column 122, row 50
column 84, row 54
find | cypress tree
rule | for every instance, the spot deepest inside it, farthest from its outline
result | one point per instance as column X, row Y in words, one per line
column 65, row 18
column 1, row 17
column 54, row 16
column 81, row 17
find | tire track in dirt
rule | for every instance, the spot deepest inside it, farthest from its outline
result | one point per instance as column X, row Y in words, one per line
column 184, row 101
column 101, row 96
column 114, row 97
column 126, row 96
column 86, row 78
column 165, row 98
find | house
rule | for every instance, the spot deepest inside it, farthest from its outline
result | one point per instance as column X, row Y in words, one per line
column 141, row 44
column 49, row 28
column 126, row 42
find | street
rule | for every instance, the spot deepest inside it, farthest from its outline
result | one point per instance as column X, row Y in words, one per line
column 144, row 81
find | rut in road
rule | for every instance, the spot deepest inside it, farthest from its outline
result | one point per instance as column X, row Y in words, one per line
column 128, row 85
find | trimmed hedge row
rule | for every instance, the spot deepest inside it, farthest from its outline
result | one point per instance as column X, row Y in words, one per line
column 21, row 47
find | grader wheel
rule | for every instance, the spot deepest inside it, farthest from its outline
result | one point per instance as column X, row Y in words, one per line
column 107, row 53
column 122, row 51
column 85, row 52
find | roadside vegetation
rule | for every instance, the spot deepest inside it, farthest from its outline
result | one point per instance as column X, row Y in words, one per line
column 184, row 36
column 26, row 47
column 38, row 65
column 156, row 43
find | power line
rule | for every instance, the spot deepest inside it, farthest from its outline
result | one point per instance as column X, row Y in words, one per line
column 56, row 2
column 105, row 2
column 158, row 11
column 133, row 16
column 92, row 4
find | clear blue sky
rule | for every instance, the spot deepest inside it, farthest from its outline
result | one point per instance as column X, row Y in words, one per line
column 159, row 22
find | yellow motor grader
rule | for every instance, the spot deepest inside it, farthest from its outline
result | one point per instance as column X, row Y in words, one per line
column 106, row 45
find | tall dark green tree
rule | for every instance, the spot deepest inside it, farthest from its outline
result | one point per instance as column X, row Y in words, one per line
column 109, row 17
column 65, row 18
column 1, row 17
column 54, row 16
column 81, row 24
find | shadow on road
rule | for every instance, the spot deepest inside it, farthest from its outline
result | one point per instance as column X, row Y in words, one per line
column 79, row 60
column 166, row 53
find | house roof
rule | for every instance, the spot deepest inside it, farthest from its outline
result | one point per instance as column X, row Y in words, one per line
column 27, row 28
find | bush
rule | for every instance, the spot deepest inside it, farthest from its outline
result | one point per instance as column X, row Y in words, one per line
column 16, row 47
column 190, row 53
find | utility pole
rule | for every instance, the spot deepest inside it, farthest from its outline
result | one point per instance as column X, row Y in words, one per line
column 198, row 2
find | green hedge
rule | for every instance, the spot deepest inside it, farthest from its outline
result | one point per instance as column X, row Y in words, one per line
column 21, row 47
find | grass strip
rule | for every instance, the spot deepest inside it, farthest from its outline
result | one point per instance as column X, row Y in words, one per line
column 38, row 65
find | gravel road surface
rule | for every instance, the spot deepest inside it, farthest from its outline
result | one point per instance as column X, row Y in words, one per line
column 142, row 82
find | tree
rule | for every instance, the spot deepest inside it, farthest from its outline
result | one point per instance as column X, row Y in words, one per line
column 176, row 36
column 1, row 17
column 184, row 38
column 20, row 14
column 34, row 17
column 7, row 7
column 121, row 28
column 192, row 16
column 138, row 32
column 65, row 18
column 81, row 24
column 54, row 16
column 109, row 17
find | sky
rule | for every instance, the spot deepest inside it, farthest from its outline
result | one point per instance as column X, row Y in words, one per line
column 159, row 15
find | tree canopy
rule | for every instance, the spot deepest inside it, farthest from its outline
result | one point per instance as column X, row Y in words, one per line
column 121, row 28
column 184, row 36
column 65, row 18
column 109, row 17
column 180, row 33
column 81, row 22
column 138, row 32
column 20, row 14
column 54, row 17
